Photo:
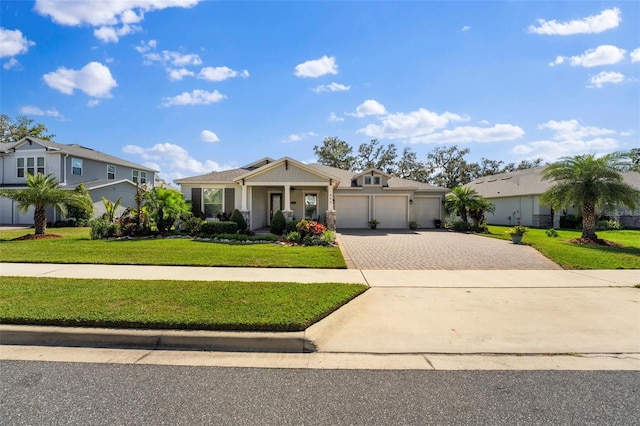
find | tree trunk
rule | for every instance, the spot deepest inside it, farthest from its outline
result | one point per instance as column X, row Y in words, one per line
column 589, row 221
column 40, row 220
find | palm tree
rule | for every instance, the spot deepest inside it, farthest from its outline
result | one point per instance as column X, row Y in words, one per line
column 460, row 200
column 43, row 191
column 590, row 183
column 479, row 206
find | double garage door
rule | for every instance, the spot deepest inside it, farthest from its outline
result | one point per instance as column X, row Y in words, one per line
column 356, row 211
column 392, row 211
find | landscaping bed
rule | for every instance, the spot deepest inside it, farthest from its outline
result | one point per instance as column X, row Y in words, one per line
column 218, row 305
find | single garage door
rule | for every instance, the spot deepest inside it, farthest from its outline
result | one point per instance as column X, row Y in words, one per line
column 391, row 211
column 425, row 209
column 352, row 212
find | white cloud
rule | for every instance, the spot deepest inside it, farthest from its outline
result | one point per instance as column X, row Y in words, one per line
column 195, row 97
column 369, row 107
column 144, row 47
column 601, row 55
column 606, row 20
column 174, row 58
column 221, row 73
column 179, row 74
column 606, row 77
column 569, row 138
column 34, row 110
column 209, row 136
column 113, row 34
column 333, row 87
column 94, row 79
column 298, row 137
column 572, row 129
column 173, row 161
column 317, row 67
column 13, row 43
column 462, row 134
column 412, row 125
column 93, row 103
column 114, row 18
column 465, row 28
column 11, row 64
column 334, row 117
column 635, row 55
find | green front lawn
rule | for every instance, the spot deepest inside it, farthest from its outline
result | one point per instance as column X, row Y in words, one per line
column 576, row 256
column 219, row 305
column 77, row 247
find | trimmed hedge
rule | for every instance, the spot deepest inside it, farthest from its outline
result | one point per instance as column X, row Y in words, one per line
column 217, row 227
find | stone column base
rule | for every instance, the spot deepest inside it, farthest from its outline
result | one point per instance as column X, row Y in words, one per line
column 331, row 219
column 247, row 217
column 288, row 215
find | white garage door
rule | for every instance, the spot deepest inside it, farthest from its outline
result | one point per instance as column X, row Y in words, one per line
column 352, row 212
column 391, row 211
column 425, row 210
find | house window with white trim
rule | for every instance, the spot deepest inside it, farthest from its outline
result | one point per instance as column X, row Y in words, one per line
column 213, row 201
column 76, row 166
column 310, row 206
column 31, row 165
column 367, row 180
column 138, row 176
column 376, row 180
column 111, row 171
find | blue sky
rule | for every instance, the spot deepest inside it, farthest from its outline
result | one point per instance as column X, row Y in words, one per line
column 188, row 86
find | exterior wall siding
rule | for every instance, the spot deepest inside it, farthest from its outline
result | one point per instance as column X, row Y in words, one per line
column 281, row 174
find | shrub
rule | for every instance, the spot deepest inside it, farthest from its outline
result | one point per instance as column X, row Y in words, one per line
column 218, row 227
column 291, row 226
column 329, row 236
column 293, row 237
column 310, row 228
column 191, row 224
column 517, row 230
column 81, row 213
column 605, row 225
column 238, row 218
column 278, row 223
column 570, row 221
column 457, row 225
column 313, row 240
column 101, row 228
column 551, row 233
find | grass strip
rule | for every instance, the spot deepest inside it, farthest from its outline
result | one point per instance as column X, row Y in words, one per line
column 579, row 256
column 204, row 305
column 77, row 247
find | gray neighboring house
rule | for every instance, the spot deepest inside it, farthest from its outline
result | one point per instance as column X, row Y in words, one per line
column 102, row 175
column 516, row 196
column 341, row 198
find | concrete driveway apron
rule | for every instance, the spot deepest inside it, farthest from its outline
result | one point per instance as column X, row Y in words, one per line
column 436, row 249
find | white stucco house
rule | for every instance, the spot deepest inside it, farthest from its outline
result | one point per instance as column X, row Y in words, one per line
column 341, row 198
column 516, row 196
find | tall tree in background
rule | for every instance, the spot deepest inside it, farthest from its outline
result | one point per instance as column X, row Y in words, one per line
column 14, row 130
column 448, row 168
column 591, row 183
column 335, row 153
column 374, row 155
column 408, row 166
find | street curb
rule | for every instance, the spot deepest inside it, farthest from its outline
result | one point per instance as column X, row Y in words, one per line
column 228, row 341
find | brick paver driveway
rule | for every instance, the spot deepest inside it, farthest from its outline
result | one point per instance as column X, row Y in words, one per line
column 436, row 249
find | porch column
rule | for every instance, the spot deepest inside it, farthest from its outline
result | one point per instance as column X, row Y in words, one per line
column 243, row 202
column 331, row 211
column 287, row 212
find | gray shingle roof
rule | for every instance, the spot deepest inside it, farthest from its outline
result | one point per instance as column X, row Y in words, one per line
column 88, row 153
column 225, row 176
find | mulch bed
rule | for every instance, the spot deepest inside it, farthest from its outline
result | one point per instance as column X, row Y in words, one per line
column 596, row 242
column 37, row 237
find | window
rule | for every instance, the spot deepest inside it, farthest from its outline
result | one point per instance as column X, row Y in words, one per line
column 111, row 171
column 139, row 176
column 376, row 180
column 367, row 180
column 310, row 205
column 212, row 201
column 34, row 165
column 372, row 180
column 76, row 166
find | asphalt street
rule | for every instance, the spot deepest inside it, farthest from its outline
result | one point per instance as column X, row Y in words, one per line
column 96, row 394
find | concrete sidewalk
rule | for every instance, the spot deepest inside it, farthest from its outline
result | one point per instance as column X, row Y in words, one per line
column 407, row 314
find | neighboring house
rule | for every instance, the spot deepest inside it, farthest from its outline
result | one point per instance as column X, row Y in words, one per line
column 341, row 198
column 101, row 174
column 516, row 196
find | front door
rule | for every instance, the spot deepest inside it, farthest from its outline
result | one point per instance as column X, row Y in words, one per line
column 275, row 204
